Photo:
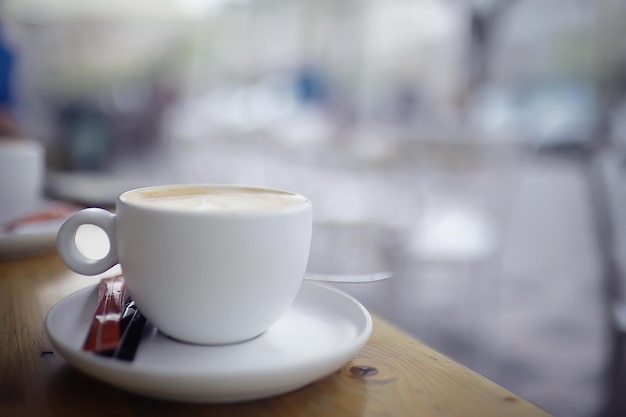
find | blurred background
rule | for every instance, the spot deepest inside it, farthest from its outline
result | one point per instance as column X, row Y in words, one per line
column 474, row 148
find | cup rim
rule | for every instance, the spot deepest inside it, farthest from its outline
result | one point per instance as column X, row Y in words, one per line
column 306, row 204
column 16, row 144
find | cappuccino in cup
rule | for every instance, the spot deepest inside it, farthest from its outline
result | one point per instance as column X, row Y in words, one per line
column 206, row 264
column 198, row 198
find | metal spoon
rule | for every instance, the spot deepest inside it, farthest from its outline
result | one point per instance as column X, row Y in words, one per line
column 349, row 278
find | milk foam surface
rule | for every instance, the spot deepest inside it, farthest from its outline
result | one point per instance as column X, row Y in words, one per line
column 215, row 199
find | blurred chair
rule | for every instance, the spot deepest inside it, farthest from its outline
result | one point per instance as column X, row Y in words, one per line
column 450, row 265
column 607, row 177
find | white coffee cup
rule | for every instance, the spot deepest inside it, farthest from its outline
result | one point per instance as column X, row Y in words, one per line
column 206, row 264
column 21, row 177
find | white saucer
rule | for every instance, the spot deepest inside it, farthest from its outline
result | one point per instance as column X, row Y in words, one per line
column 322, row 331
column 31, row 239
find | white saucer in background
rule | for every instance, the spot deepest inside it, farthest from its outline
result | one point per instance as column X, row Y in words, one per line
column 31, row 239
column 323, row 330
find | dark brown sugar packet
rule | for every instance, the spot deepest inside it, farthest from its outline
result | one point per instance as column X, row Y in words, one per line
column 131, row 327
column 105, row 331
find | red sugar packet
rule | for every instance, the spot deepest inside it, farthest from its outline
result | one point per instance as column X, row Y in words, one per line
column 105, row 331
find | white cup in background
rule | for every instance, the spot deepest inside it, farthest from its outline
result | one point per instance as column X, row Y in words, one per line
column 21, row 177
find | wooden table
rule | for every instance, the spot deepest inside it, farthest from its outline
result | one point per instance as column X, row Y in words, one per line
column 394, row 375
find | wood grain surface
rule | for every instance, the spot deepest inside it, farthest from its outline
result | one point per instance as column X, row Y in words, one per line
column 394, row 375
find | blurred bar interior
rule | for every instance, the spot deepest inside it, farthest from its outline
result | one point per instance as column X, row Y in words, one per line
column 472, row 147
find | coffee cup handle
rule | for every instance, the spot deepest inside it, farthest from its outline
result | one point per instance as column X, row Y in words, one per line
column 66, row 241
